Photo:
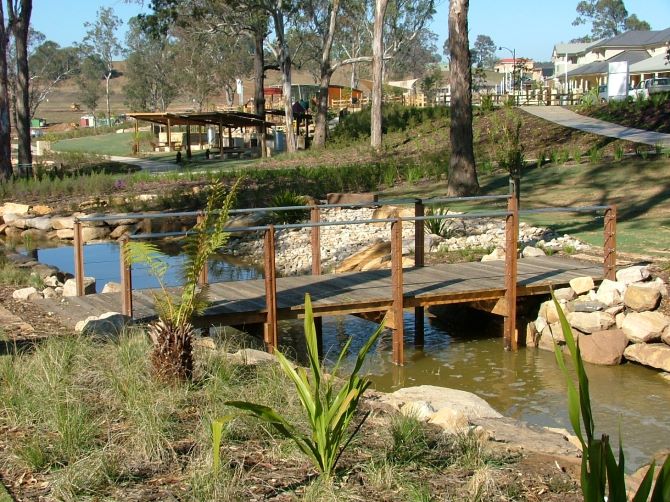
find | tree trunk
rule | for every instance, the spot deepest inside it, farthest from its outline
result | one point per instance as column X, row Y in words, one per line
column 20, row 23
column 321, row 122
column 259, row 87
column 462, row 173
column 284, row 57
column 377, row 74
column 5, row 129
column 107, row 77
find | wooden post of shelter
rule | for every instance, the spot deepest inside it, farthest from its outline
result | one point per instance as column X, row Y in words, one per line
column 397, row 289
column 609, row 258
column 315, row 237
column 126, row 278
column 78, row 258
column 419, row 261
column 270, row 327
column 230, row 137
column 511, row 239
column 221, row 139
column 169, row 134
column 136, row 138
column 188, row 141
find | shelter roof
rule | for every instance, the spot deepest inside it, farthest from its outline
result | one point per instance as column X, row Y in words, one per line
column 226, row 119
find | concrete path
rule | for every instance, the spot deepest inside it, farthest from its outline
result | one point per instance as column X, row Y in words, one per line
column 567, row 118
column 153, row 166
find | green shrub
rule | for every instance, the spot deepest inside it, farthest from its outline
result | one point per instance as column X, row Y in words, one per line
column 438, row 226
column 506, row 135
column 329, row 410
column 601, row 473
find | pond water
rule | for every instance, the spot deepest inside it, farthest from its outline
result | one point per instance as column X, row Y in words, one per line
column 526, row 385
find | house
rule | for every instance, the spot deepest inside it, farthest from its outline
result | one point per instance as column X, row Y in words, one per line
column 586, row 66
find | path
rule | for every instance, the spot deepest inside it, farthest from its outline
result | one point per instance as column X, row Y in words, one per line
column 567, row 118
column 150, row 165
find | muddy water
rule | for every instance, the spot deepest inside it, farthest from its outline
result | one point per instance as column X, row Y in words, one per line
column 526, row 385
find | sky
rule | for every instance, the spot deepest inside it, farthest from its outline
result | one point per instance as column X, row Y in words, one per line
column 530, row 27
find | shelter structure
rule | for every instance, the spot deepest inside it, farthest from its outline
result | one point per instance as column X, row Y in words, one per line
column 221, row 120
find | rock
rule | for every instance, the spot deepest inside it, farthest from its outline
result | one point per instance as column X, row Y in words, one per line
column 252, row 357
column 384, row 212
column 603, row 347
column 34, row 234
column 370, row 253
column 496, row 254
column 205, row 342
column 420, row 410
column 530, row 252
column 63, row 222
column 52, row 282
column 70, row 287
column 566, row 294
column 665, row 376
column 37, row 295
column 108, row 324
column 18, row 223
column 94, row 233
column 610, row 292
column 532, row 334
column 588, row 306
column 644, row 327
column 121, row 230
column 65, row 233
column 111, row 287
column 470, row 405
column 549, row 312
column 633, row 274
column 23, row 293
column 41, row 223
column 655, row 355
column 2, row 228
column 662, row 287
column 451, row 421
column 581, row 285
column 351, row 198
column 633, row 481
column 619, row 319
column 13, row 207
column 641, row 298
column 590, row 322
column 10, row 218
column 41, row 210
column 120, row 221
column 665, row 337
column 49, row 293
column 13, row 231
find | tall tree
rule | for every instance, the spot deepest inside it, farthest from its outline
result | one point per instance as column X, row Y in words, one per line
column 101, row 41
column 89, row 82
column 49, row 64
column 18, row 14
column 377, row 74
column 462, row 173
column 484, row 52
column 5, row 129
column 608, row 18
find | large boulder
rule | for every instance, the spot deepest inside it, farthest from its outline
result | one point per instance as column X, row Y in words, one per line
column 590, row 322
column 610, row 292
column 644, row 327
column 495, row 255
column 630, row 275
column 70, row 287
column 23, row 293
column 65, row 233
column 94, row 233
column 358, row 260
column 655, row 355
column 34, row 234
column 14, row 208
column 252, row 357
column 530, row 252
column 581, row 285
column 665, row 337
column 108, row 324
column 566, row 294
column 40, row 223
column 63, row 222
column 111, row 287
column 641, row 297
column 122, row 230
column 603, row 347
column 550, row 313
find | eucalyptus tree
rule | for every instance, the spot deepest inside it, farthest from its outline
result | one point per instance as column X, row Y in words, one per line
column 608, row 18
column 49, row 65
column 18, row 21
column 89, row 83
column 5, row 129
column 462, row 173
column 102, row 43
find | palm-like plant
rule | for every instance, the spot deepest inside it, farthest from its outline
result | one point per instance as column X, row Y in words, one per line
column 172, row 333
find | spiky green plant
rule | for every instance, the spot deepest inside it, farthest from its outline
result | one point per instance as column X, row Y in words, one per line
column 172, row 333
column 329, row 410
column 600, row 472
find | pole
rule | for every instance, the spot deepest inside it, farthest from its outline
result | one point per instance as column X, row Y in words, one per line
column 397, row 282
column 419, row 261
column 270, row 334
column 78, row 259
column 126, row 278
column 511, row 239
column 609, row 258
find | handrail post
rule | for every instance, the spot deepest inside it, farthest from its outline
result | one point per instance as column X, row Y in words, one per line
column 270, row 332
column 78, row 258
column 609, row 258
column 419, row 261
column 315, row 235
column 397, row 282
column 203, row 277
column 511, row 239
column 126, row 278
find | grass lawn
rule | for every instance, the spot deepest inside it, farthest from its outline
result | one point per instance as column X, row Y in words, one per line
column 639, row 188
column 103, row 144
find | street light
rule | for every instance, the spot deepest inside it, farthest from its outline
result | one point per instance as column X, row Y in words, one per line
column 513, row 52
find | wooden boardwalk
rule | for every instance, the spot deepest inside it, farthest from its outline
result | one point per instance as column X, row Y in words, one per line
column 244, row 302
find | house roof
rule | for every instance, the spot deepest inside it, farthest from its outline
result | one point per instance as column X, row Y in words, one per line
column 657, row 63
column 226, row 119
column 574, row 47
column 637, row 39
column 601, row 67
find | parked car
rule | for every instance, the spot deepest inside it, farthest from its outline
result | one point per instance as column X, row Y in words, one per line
column 650, row 86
